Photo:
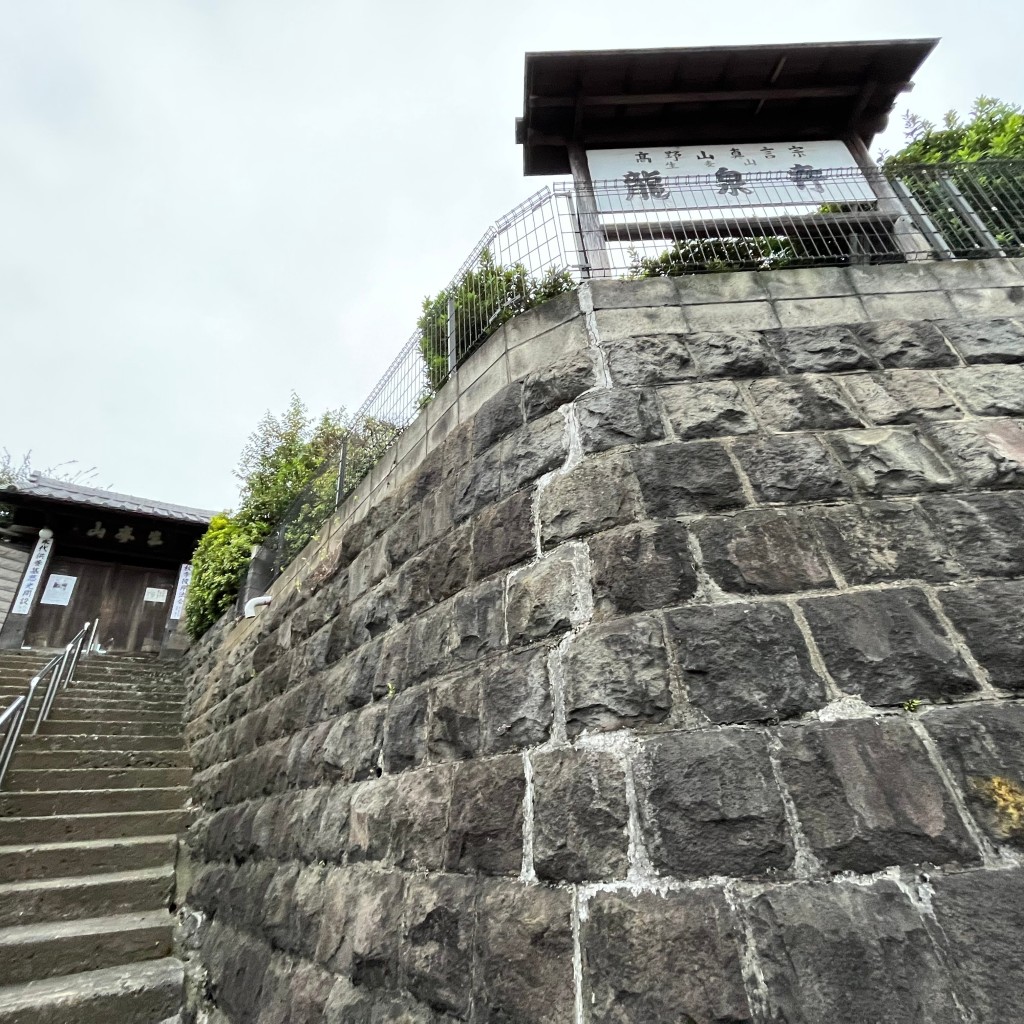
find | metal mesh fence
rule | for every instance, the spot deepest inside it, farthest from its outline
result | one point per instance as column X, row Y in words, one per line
column 644, row 226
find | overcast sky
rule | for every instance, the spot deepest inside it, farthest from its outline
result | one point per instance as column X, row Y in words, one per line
column 207, row 203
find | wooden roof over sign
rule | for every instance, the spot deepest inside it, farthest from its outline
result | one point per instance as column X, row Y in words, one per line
column 608, row 99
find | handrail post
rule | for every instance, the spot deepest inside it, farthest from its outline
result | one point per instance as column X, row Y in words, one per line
column 78, row 642
column 14, row 729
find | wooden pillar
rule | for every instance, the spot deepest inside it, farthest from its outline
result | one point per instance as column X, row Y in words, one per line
column 15, row 626
column 594, row 242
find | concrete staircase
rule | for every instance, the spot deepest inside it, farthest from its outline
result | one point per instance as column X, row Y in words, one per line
column 89, row 816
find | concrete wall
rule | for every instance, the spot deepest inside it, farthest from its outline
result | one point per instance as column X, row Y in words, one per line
column 669, row 670
column 12, row 564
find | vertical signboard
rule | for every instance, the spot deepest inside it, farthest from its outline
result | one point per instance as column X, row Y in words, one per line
column 33, row 574
column 181, row 592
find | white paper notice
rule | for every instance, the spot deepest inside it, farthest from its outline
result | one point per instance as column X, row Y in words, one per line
column 156, row 595
column 58, row 590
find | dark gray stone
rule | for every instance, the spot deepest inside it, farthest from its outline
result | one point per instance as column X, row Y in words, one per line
column 731, row 354
column 593, row 496
column 392, row 658
column 532, row 450
column 883, row 541
column 763, row 551
column 516, row 702
column 616, row 675
column 354, row 743
column 801, row 403
column 659, row 958
column 649, row 359
column 983, row 531
column 405, row 738
column 371, row 818
column 642, row 567
column 901, row 396
column 989, row 390
column 990, row 619
column 680, row 479
column 419, row 810
column 981, row 914
column 905, row 343
column 791, row 468
column 610, row 417
column 503, row 535
column 478, row 622
column 560, row 382
column 579, row 814
column 454, row 729
column 888, row 647
column 986, row 341
column 478, row 484
column 541, row 599
column 887, row 460
column 485, row 832
column 710, row 409
column 823, row 349
column 524, row 956
column 709, row 805
column 497, row 417
column 848, row 953
column 986, row 454
column 868, row 797
column 744, row 662
column 331, row 838
column 983, row 746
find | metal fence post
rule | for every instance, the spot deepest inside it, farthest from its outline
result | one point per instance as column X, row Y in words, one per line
column 924, row 223
column 969, row 214
column 453, row 348
column 342, row 469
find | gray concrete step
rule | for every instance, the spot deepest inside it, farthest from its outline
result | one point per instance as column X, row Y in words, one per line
column 141, row 993
column 29, row 780
column 32, row 952
column 79, row 827
column 60, row 713
column 90, row 801
column 66, row 899
column 28, row 862
column 97, row 740
column 80, row 696
column 95, row 726
column 33, row 759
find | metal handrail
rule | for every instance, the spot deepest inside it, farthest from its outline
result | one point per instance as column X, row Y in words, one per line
column 61, row 670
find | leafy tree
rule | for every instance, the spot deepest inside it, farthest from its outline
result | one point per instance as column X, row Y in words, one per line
column 219, row 566
column 714, row 255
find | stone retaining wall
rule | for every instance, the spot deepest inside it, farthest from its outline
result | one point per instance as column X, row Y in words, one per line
column 668, row 671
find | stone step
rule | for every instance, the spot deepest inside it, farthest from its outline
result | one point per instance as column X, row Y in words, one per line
column 35, row 951
column 141, row 993
column 34, row 759
column 79, row 696
column 90, row 801
column 60, row 713
column 94, row 726
column 37, row 780
column 98, row 741
column 78, row 827
column 65, row 899
column 29, row 862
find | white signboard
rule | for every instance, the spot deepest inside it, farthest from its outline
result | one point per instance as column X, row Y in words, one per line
column 156, row 595
column 184, row 578
column 58, row 590
column 33, row 574
column 778, row 174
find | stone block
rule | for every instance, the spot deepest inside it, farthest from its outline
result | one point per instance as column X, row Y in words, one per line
column 579, row 816
column 901, row 396
column 711, row 409
column 885, row 541
column 824, row 349
column 405, row 737
column 651, row 291
column 419, row 811
column 454, row 729
column 503, row 535
column 353, row 745
column 497, row 417
column 801, row 403
column 642, row 567
column 616, row 676
column 610, row 417
column 477, row 623
column 982, row 530
column 331, row 837
column 532, row 450
column 989, row 302
column 842, row 309
column 791, row 468
column 983, row 747
column 744, row 662
column 543, row 599
column 986, row 341
column 649, row 359
column 989, row 617
column 807, row 283
column 981, row 914
column 436, row 952
column 477, row 485
column 709, row 805
column 731, row 353
column 567, row 378
column 762, row 551
column 732, row 316
column 987, row 454
column 663, row 957
column 741, row 286
column 592, row 497
column 888, row 647
column 867, row 797
column 543, row 318
column 485, row 830
column 887, row 460
column 680, row 479
column 515, row 702
column 613, row 324
column 524, row 955
column 905, row 343
column 528, row 355
column 436, row 637
column 988, row 390
column 908, row 306
column 372, row 811
column 850, row 953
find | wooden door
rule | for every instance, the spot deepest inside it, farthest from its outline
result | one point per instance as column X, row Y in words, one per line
column 53, row 625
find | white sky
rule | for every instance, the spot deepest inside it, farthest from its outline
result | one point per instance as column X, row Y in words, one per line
column 207, row 203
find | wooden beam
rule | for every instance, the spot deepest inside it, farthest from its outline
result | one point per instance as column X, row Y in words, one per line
column 716, row 96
